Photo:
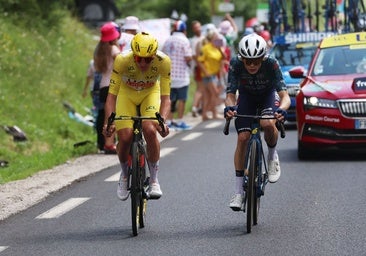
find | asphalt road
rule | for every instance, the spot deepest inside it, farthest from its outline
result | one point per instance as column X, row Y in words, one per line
column 317, row 207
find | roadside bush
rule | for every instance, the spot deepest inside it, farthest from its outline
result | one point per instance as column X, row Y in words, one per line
column 35, row 13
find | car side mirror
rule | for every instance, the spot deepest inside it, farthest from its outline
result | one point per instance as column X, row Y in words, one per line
column 298, row 72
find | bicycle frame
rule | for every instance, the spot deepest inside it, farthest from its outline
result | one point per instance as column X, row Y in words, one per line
column 255, row 137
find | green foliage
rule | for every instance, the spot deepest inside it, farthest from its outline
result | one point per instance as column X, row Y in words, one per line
column 35, row 13
column 42, row 66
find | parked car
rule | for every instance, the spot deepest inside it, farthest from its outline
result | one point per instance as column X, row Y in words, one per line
column 331, row 105
column 294, row 50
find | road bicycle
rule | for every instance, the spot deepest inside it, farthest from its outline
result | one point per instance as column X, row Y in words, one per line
column 255, row 176
column 137, row 180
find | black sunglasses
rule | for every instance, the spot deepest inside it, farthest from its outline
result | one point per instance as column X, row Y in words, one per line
column 255, row 62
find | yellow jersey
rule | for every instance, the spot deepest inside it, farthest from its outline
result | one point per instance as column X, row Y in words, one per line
column 127, row 78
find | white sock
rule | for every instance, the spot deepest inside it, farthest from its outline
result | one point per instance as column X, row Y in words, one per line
column 271, row 153
column 124, row 172
column 239, row 185
column 154, row 168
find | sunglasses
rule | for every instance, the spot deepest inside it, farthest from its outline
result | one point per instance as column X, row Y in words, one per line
column 255, row 62
column 147, row 60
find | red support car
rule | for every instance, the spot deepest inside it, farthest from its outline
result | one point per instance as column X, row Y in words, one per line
column 331, row 104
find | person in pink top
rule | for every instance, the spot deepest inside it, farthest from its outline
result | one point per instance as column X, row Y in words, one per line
column 104, row 54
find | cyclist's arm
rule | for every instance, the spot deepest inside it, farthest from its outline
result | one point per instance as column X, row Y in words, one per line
column 232, row 84
column 230, row 99
column 116, row 75
column 165, row 81
column 165, row 106
column 285, row 100
column 280, row 86
column 109, row 107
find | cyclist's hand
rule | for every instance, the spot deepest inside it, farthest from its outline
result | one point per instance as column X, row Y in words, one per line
column 166, row 130
column 111, row 130
column 230, row 111
column 281, row 114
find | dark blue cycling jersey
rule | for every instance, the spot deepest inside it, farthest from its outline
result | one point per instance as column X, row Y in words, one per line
column 268, row 78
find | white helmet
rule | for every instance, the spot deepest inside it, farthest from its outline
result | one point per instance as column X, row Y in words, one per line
column 252, row 46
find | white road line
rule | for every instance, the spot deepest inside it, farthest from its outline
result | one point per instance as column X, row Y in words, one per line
column 113, row 178
column 163, row 152
column 214, row 124
column 192, row 136
column 62, row 208
column 3, row 248
column 166, row 151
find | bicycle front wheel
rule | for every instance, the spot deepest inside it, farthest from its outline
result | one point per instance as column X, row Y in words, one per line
column 251, row 190
column 136, row 195
column 142, row 183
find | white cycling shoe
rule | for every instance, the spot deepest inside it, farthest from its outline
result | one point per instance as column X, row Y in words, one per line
column 122, row 192
column 237, row 202
column 154, row 191
column 274, row 170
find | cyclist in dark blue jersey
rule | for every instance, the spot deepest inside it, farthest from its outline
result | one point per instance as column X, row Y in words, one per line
column 257, row 78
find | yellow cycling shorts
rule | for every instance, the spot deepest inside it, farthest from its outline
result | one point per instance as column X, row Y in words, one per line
column 148, row 99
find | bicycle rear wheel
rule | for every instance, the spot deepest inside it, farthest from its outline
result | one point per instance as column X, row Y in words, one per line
column 251, row 190
column 136, row 195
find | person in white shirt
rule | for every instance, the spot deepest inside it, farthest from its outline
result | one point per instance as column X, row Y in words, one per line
column 178, row 48
column 130, row 28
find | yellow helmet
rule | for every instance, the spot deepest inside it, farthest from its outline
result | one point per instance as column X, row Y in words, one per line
column 144, row 45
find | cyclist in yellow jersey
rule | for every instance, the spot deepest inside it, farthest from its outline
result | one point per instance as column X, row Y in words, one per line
column 140, row 76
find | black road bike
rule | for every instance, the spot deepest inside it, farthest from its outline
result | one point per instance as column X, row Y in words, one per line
column 137, row 180
column 255, row 176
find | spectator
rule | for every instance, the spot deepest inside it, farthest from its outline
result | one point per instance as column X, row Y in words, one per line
column 178, row 48
column 130, row 28
column 89, row 79
column 104, row 54
column 211, row 62
column 229, row 30
column 196, row 48
column 260, row 30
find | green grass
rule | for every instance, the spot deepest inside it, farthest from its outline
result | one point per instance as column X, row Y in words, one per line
column 39, row 70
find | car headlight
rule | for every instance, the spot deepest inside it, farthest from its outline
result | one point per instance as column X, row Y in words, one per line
column 312, row 102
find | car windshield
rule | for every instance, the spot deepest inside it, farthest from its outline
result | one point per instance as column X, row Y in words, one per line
column 294, row 54
column 340, row 61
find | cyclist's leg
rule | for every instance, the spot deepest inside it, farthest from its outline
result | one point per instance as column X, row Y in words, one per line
column 242, row 126
column 247, row 106
column 149, row 106
column 269, row 125
column 124, row 134
column 271, row 136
